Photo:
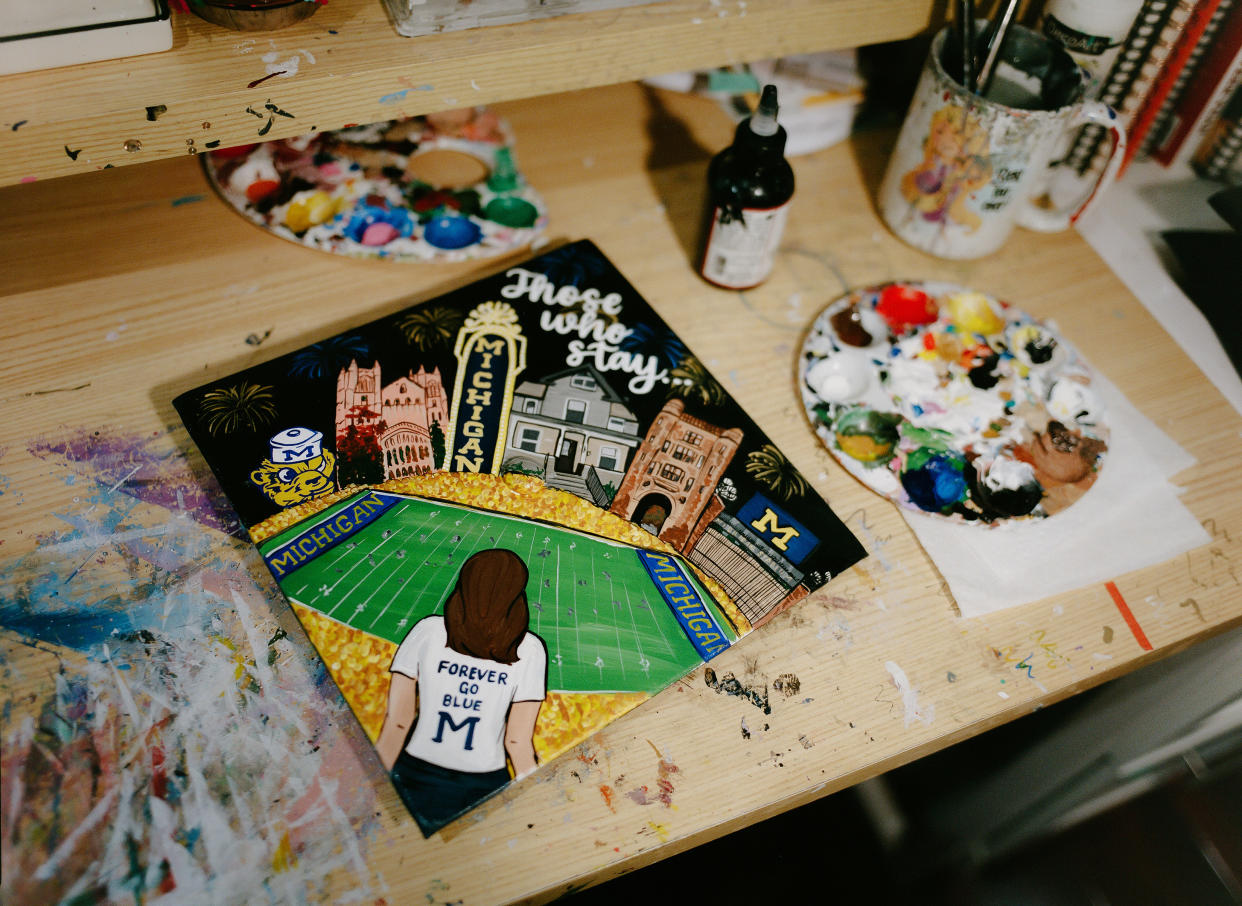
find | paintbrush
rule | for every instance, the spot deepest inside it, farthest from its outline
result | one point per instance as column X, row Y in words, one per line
column 992, row 44
column 966, row 34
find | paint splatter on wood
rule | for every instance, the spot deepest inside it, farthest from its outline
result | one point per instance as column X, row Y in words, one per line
column 270, row 75
column 787, row 684
column 731, row 685
column 914, row 710
column 663, row 791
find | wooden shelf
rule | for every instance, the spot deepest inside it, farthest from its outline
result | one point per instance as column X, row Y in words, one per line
column 347, row 64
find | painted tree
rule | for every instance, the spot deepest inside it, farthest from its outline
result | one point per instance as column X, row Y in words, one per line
column 437, row 445
column 360, row 459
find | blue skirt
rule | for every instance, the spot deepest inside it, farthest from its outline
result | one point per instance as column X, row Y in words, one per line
column 436, row 795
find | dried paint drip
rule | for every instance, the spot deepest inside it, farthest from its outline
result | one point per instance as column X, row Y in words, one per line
column 915, row 711
column 731, row 685
column 606, row 792
column 663, row 792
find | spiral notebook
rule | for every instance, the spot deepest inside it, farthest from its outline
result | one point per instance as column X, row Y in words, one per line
column 1138, row 66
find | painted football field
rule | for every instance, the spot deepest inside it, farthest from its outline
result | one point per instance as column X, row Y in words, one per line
column 593, row 601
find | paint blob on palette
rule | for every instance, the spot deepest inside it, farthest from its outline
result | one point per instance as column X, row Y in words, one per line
column 952, row 402
column 440, row 187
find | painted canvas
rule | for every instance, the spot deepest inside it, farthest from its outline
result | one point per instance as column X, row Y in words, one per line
column 510, row 514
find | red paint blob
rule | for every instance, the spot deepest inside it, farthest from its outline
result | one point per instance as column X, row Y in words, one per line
column 261, row 188
column 903, row 307
column 230, row 153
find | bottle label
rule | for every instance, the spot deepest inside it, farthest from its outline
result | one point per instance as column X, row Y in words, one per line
column 741, row 249
column 1078, row 41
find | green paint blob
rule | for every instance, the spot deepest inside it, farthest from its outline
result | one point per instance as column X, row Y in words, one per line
column 511, row 212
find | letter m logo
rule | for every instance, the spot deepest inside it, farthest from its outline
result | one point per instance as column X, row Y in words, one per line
column 468, row 724
column 781, row 535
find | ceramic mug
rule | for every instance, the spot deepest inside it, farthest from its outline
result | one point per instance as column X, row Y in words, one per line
column 967, row 168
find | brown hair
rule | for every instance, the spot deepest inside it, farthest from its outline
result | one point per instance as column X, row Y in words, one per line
column 486, row 615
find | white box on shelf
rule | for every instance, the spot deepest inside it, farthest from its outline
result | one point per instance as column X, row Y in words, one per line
column 54, row 33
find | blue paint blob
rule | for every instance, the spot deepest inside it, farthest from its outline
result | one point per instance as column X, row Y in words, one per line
column 450, row 232
column 936, row 484
column 367, row 215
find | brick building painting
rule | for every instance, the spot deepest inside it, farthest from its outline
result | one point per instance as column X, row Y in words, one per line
column 670, row 487
column 673, row 489
column 406, row 408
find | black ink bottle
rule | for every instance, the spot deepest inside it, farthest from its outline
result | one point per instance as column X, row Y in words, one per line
column 749, row 185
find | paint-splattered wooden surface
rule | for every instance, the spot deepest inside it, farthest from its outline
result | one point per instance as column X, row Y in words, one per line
column 346, row 64
column 166, row 725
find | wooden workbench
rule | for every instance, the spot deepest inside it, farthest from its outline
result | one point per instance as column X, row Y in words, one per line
column 165, row 722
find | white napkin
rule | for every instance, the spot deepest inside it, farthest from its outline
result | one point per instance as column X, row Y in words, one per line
column 1130, row 518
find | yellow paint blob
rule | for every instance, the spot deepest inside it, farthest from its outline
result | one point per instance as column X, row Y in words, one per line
column 311, row 211
column 972, row 312
column 862, row 447
column 284, row 858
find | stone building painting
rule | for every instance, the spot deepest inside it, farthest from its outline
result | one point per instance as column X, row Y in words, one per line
column 407, row 408
column 573, row 430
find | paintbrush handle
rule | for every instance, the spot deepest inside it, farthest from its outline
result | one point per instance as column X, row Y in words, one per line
column 995, row 40
column 966, row 29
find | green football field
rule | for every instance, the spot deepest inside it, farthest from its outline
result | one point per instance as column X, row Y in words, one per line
column 601, row 615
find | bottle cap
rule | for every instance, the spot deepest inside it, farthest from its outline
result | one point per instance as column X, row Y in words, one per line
column 763, row 121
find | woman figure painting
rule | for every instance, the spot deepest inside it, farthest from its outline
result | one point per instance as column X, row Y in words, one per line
column 471, row 683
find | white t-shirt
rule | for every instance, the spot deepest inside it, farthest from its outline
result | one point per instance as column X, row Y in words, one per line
column 463, row 701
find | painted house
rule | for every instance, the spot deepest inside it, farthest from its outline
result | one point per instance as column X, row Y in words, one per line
column 407, row 407
column 572, row 429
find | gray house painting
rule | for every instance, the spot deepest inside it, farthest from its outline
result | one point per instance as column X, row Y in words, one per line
column 573, row 430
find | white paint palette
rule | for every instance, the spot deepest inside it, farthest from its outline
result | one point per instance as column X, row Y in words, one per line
column 951, row 402
column 436, row 188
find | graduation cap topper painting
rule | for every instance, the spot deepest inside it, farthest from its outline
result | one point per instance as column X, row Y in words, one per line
column 510, row 514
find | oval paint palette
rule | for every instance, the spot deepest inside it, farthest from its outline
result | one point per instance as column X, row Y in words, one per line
column 441, row 187
column 951, row 402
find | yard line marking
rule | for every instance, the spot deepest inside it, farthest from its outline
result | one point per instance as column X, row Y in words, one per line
column 1128, row 616
column 410, row 565
column 643, row 663
column 616, row 629
column 577, row 630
